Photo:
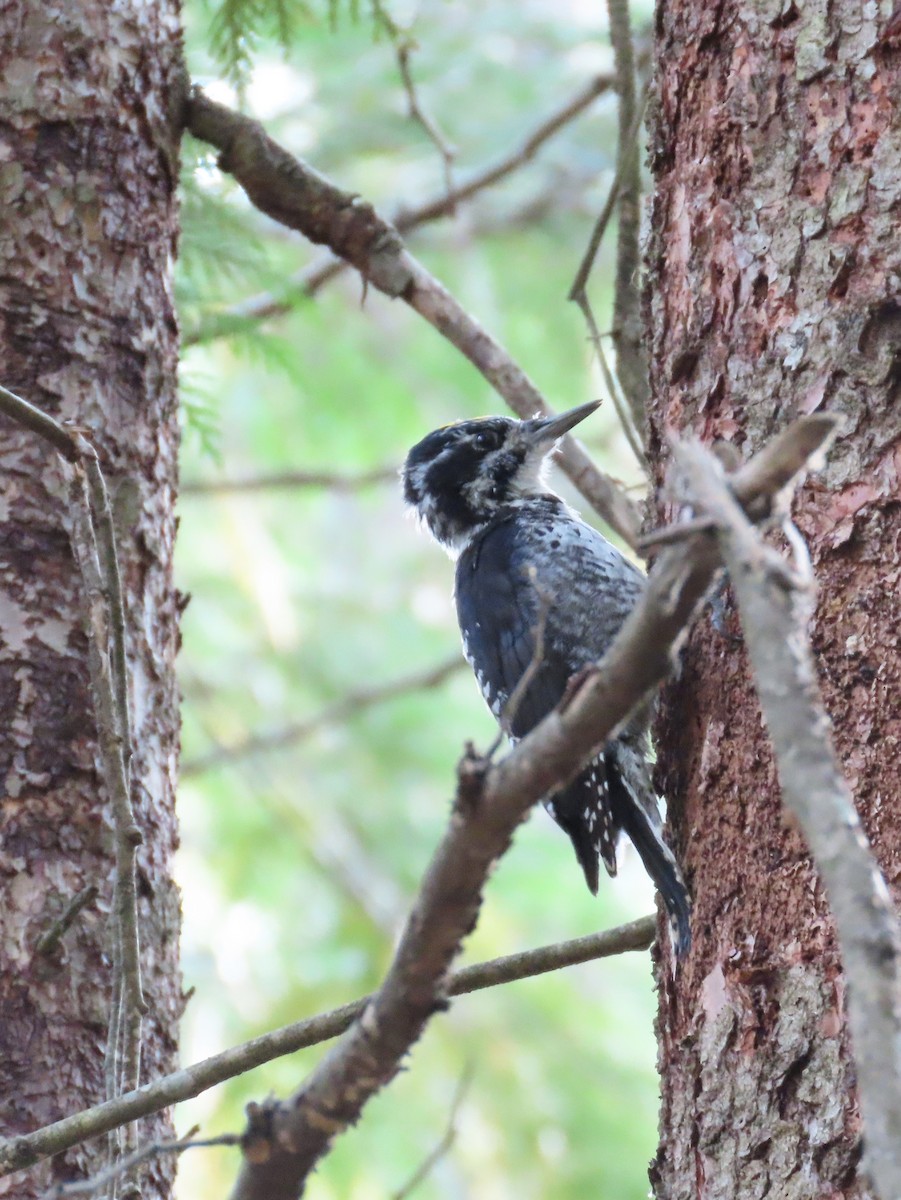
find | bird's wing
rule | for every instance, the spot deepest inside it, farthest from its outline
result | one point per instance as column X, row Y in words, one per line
column 501, row 606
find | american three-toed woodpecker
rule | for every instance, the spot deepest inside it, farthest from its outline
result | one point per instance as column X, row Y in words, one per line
column 528, row 565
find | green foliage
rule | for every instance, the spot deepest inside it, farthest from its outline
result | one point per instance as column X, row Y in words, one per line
column 199, row 412
column 238, row 27
column 297, row 867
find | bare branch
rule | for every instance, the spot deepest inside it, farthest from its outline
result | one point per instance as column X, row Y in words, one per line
column 579, row 293
column 637, row 935
column 18, row 1153
column 39, row 422
column 776, row 607
column 670, row 534
column 92, row 535
column 628, row 330
column 307, row 283
column 417, row 113
column 448, row 1138
column 291, row 192
column 289, row 1139
column 330, row 480
column 50, row 939
column 109, row 558
column 127, row 1002
column 89, row 1187
column 348, row 706
column 404, row 45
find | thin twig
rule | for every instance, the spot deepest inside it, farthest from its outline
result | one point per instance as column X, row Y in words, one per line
column 578, row 293
column 669, row 535
column 446, row 1142
column 127, row 999
column 612, row 384
column 404, row 45
column 306, row 283
column 417, row 113
column 128, row 835
column 92, row 535
column 334, row 714
column 88, row 1187
column 50, row 939
column 330, row 480
column 294, row 194
column 628, row 332
column 109, row 560
column 21, row 1152
column 112, row 1064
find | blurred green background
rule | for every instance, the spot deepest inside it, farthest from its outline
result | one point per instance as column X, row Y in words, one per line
column 298, row 864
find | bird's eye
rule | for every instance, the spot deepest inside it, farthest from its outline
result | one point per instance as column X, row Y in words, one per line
column 483, row 441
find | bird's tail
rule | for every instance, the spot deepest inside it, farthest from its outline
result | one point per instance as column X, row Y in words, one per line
column 635, row 811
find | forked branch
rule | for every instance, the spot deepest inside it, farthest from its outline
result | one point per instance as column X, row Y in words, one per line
column 285, row 1141
column 294, row 194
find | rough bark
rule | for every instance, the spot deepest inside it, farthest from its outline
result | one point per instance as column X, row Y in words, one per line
column 88, row 154
column 774, row 266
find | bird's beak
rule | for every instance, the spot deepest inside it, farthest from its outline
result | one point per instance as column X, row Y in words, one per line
column 541, row 430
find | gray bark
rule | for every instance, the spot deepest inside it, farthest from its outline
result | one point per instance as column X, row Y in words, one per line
column 88, row 171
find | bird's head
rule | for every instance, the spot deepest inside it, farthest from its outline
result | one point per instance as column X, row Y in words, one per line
column 460, row 476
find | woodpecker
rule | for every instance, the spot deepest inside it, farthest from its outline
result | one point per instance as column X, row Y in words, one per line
column 529, row 568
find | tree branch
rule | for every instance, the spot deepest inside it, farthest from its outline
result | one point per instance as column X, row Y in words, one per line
column 334, row 714
column 578, row 293
column 297, row 196
column 50, row 939
column 92, row 536
column 330, row 480
column 628, row 331
column 444, row 1145
column 126, row 1165
column 491, row 803
column 18, row 1153
column 776, row 606
column 285, row 1141
column 307, row 283
column 404, row 49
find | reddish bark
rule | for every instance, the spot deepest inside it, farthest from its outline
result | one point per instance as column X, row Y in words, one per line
column 88, row 170
column 775, row 266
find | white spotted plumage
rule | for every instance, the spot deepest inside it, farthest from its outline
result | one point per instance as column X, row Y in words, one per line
column 526, row 563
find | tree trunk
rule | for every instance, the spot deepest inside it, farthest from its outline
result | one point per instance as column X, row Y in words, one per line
column 775, row 264
column 88, row 172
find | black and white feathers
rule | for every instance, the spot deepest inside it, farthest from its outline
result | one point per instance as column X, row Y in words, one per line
column 528, row 566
